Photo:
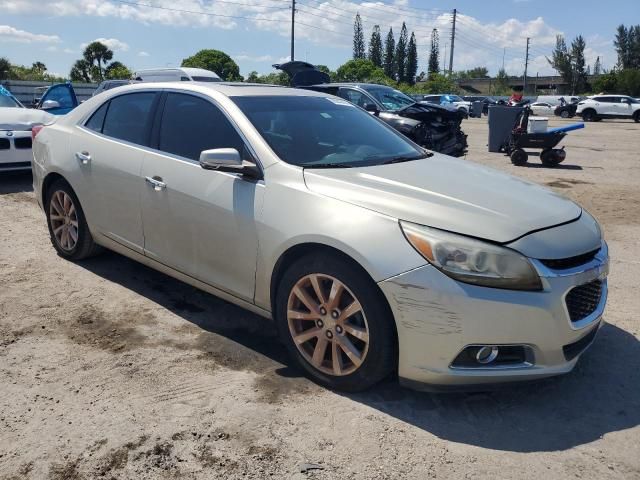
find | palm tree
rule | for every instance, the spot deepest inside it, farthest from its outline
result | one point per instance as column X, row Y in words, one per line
column 98, row 53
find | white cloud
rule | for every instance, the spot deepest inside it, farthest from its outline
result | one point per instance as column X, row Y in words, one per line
column 11, row 34
column 329, row 24
column 143, row 54
column 252, row 58
column 113, row 44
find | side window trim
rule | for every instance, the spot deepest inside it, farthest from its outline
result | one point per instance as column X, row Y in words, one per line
column 213, row 102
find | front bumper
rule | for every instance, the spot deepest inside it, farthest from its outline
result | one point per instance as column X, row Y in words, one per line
column 15, row 150
column 438, row 317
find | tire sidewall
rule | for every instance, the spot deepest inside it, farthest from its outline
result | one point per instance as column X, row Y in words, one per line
column 381, row 356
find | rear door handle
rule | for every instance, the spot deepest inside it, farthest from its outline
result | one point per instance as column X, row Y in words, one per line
column 156, row 183
column 84, row 157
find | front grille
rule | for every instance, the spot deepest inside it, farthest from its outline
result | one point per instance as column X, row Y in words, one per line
column 4, row 144
column 574, row 349
column 23, row 142
column 582, row 301
column 570, row 262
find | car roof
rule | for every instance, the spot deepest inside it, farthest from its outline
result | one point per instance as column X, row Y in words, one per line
column 229, row 89
column 352, row 84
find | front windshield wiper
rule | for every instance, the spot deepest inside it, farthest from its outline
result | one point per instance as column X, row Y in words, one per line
column 327, row 165
column 401, row 159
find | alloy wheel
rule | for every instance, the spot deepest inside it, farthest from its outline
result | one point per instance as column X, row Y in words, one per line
column 64, row 220
column 327, row 324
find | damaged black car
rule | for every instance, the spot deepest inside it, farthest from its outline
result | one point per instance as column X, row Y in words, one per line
column 434, row 127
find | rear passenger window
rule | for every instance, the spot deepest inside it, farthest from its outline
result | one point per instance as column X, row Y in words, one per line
column 128, row 117
column 191, row 125
column 97, row 119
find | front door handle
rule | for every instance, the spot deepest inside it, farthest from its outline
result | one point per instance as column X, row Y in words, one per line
column 156, row 183
column 84, row 157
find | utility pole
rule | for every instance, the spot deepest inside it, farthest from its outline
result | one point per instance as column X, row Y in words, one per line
column 526, row 64
column 453, row 38
column 504, row 50
column 293, row 26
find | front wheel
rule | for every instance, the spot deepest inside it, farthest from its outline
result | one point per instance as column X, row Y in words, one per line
column 335, row 323
column 68, row 227
column 564, row 114
column 589, row 116
column 519, row 157
column 636, row 117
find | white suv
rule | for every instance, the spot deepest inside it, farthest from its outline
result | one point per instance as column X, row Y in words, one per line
column 609, row 106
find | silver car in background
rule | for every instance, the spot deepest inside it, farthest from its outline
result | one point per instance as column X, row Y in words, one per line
column 373, row 256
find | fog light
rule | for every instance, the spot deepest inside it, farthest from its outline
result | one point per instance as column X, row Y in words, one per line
column 487, row 355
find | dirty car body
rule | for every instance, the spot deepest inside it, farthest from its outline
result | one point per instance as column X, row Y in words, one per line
column 436, row 127
column 455, row 275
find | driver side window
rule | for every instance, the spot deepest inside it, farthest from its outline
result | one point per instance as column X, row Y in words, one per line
column 354, row 96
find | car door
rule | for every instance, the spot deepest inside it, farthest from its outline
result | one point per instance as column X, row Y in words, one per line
column 64, row 97
column 624, row 107
column 110, row 148
column 200, row 222
column 606, row 106
column 358, row 97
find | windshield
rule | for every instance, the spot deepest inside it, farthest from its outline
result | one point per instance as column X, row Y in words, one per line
column 391, row 99
column 197, row 78
column 319, row 132
column 7, row 101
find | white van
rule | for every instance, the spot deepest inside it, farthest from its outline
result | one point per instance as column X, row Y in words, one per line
column 555, row 99
column 183, row 74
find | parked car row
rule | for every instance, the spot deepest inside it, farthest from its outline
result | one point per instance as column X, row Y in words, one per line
column 373, row 255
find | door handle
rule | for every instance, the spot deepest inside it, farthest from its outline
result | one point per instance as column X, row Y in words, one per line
column 156, row 183
column 84, row 157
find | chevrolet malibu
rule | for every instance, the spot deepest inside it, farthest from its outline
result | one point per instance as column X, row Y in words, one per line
column 372, row 255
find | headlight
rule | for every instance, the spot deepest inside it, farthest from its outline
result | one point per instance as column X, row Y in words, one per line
column 472, row 261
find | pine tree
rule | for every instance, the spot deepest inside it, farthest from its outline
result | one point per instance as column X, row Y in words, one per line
column 622, row 46
column 434, row 55
column 358, row 39
column 375, row 47
column 597, row 67
column 412, row 61
column 401, row 55
column 579, row 72
column 561, row 61
column 389, row 55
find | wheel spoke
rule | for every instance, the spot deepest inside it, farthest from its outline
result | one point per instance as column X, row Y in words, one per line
column 295, row 315
column 358, row 332
column 351, row 310
column 318, row 353
column 335, row 294
column 304, row 298
column 315, row 283
column 56, row 230
column 336, row 359
column 72, row 210
column 73, row 233
column 307, row 335
column 351, row 351
column 66, row 203
column 56, row 205
column 56, row 218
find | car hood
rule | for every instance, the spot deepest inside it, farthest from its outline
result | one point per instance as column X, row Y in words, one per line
column 450, row 194
column 23, row 118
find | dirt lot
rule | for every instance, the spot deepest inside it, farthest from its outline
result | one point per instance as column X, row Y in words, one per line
column 111, row 370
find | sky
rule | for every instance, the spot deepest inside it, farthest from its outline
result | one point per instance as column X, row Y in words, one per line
column 256, row 33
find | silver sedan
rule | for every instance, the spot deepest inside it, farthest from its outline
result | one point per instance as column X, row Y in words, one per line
column 372, row 256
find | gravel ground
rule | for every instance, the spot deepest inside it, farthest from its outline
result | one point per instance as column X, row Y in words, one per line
column 111, row 370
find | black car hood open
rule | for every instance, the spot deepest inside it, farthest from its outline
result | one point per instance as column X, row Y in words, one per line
column 424, row 111
column 302, row 74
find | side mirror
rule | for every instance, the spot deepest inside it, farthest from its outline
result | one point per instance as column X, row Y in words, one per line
column 372, row 108
column 50, row 104
column 228, row 160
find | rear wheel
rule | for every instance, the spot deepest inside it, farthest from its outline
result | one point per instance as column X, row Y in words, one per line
column 636, row 117
column 552, row 157
column 335, row 323
column 68, row 228
column 519, row 157
column 589, row 115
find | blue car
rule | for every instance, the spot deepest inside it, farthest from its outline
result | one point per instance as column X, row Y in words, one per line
column 58, row 99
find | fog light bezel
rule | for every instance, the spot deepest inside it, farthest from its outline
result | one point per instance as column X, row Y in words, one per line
column 467, row 359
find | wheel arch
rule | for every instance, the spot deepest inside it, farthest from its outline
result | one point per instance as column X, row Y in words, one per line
column 48, row 180
column 298, row 251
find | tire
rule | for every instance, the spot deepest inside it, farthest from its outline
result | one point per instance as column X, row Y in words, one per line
column 589, row 115
column 552, row 158
column 519, row 157
column 64, row 213
column 636, row 117
column 564, row 114
column 374, row 359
